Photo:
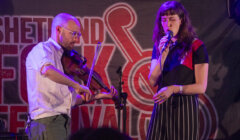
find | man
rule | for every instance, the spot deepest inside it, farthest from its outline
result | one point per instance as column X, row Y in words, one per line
column 51, row 93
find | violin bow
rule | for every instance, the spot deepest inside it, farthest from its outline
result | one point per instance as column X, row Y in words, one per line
column 116, row 100
column 93, row 64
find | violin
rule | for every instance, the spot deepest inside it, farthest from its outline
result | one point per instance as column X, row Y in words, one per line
column 74, row 64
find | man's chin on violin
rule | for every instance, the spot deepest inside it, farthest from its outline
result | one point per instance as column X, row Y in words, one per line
column 89, row 97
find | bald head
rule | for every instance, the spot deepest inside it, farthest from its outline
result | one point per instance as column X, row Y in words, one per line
column 61, row 20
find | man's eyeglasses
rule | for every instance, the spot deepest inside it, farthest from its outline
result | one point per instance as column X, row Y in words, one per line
column 74, row 33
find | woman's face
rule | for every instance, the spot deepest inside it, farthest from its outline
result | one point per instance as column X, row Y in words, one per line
column 171, row 22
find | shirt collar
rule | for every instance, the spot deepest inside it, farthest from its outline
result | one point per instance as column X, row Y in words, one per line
column 56, row 44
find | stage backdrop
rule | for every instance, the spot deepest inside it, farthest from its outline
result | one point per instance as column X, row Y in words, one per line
column 125, row 30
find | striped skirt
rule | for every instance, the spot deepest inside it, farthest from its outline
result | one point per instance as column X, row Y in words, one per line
column 175, row 119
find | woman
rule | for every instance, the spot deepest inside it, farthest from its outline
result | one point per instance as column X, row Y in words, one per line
column 179, row 67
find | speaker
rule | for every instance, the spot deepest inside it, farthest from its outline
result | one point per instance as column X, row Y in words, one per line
column 233, row 7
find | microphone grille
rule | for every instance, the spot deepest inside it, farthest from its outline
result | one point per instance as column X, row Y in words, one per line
column 170, row 33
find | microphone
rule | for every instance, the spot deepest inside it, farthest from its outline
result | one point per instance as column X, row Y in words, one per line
column 169, row 37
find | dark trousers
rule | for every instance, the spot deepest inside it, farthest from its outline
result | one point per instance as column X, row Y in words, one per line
column 175, row 119
column 49, row 128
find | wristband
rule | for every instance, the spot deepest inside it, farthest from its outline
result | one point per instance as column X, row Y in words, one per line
column 180, row 89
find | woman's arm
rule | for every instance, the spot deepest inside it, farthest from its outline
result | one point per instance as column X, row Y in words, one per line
column 199, row 87
column 201, row 77
column 155, row 72
column 156, row 68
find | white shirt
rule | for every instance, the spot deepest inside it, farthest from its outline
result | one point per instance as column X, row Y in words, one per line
column 45, row 97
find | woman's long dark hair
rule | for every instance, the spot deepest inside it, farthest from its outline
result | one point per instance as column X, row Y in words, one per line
column 185, row 35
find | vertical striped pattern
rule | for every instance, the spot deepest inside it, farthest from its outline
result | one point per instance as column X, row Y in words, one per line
column 175, row 119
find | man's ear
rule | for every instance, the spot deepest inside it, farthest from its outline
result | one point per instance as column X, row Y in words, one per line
column 58, row 28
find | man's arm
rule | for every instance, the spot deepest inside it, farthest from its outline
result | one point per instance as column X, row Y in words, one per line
column 107, row 95
column 80, row 99
column 57, row 76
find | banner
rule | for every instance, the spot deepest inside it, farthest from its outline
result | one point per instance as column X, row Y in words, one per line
column 118, row 27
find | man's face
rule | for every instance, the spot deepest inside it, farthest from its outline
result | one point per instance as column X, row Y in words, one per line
column 171, row 22
column 69, row 35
